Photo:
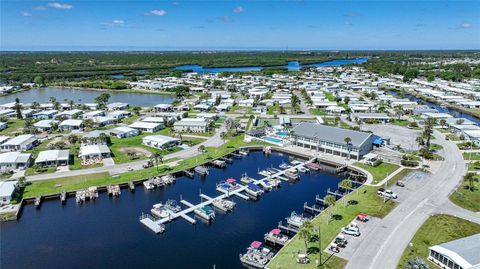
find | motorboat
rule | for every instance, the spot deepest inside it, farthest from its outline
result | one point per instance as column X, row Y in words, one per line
column 159, row 210
column 206, row 213
column 276, row 237
column 253, row 190
column 223, row 204
column 313, row 166
column 275, row 182
column 256, row 255
column 173, row 206
column 296, row 162
column 296, row 220
column 228, row 185
column 202, row 170
column 266, row 185
column 291, row 175
column 243, row 153
column 302, row 169
column 284, row 166
column 168, row 179
column 148, row 184
column 246, row 179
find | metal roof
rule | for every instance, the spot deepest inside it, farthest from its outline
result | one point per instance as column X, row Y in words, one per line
column 467, row 248
column 52, row 155
column 331, row 134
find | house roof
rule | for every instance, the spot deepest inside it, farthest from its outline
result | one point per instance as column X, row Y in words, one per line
column 19, row 140
column 462, row 250
column 53, row 155
column 144, row 125
column 332, row 134
column 7, row 188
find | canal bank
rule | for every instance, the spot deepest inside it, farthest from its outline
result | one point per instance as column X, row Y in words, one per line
column 107, row 229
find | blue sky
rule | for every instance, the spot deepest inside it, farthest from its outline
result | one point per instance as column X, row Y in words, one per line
column 158, row 25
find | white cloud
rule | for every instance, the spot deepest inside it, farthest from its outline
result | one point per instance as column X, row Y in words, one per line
column 118, row 22
column 225, row 18
column 26, row 14
column 466, row 25
column 238, row 9
column 40, row 8
column 58, row 5
column 156, row 12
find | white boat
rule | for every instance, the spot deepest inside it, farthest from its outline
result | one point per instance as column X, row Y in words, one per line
column 274, row 181
column 276, row 237
column 266, row 185
column 202, row 170
column 160, row 211
column 227, row 185
column 148, row 185
column 253, row 190
column 223, row 204
column 246, row 179
column 206, row 213
column 296, row 220
column 296, row 162
column 256, row 256
column 243, row 153
column 302, row 169
column 173, row 206
column 284, row 166
column 168, row 179
column 291, row 175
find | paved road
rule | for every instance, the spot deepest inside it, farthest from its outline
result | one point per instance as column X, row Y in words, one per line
column 214, row 141
column 383, row 247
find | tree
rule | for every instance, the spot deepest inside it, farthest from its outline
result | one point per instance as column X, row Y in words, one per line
column 201, row 148
column 329, row 201
column 223, row 135
column 72, row 139
column 18, row 109
column 471, row 178
column 443, row 122
column 158, row 158
column 38, row 80
column 305, row 235
column 136, row 110
column 348, row 141
column 399, row 111
column 346, row 184
column 102, row 99
column 88, row 123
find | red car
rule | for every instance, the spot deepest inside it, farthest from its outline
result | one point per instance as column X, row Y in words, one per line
column 362, row 217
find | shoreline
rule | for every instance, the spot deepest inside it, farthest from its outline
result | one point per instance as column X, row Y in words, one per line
column 94, row 89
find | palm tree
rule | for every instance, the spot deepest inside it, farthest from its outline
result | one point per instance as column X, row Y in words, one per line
column 158, row 158
column 329, row 201
column 346, row 184
column 223, row 135
column 443, row 122
column 348, row 141
column 305, row 235
column 471, row 179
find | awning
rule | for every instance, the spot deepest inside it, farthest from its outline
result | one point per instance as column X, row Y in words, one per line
column 230, row 180
column 256, row 244
column 378, row 141
column 275, row 231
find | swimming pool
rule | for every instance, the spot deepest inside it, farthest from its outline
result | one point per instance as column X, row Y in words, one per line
column 281, row 133
column 272, row 139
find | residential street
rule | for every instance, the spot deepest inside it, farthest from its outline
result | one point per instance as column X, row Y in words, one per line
column 384, row 245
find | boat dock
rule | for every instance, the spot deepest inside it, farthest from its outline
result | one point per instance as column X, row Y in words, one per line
column 288, row 228
column 311, row 209
column 156, row 225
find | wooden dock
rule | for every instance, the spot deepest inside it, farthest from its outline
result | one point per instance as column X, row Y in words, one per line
column 155, row 224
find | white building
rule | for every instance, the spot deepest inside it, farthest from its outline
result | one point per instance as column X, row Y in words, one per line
column 462, row 253
column 160, row 141
column 20, row 143
column 149, row 127
column 53, row 158
column 124, row 132
column 7, row 188
column 94, row 152
column 11, row 161
column 191, row 125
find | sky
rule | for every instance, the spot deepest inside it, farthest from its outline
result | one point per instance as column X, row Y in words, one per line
column 239, row 25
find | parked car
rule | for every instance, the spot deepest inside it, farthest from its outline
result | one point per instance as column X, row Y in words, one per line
column 400, row 183
column 387, row 193
column 362, row 217
column 350, row 231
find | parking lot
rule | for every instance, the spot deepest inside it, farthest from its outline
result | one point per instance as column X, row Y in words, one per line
column 413, row 181
column 398, row 135
column 353, row 241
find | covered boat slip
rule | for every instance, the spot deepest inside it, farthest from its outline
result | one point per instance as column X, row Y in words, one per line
column 192, row 208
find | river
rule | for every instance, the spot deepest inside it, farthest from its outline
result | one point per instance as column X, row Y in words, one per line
column 107, row 232
column 291, row 66
column 78, row 95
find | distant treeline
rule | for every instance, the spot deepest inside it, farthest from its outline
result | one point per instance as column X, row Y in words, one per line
column 56, row 67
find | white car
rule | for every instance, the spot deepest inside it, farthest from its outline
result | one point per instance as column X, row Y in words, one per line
column 387, row 193
column 351, row 231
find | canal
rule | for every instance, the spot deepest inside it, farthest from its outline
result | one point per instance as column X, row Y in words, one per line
column 43, row 95
column 453, row 112
column 107, row 232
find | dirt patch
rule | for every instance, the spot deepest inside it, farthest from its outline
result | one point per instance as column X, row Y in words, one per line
column 136, row 151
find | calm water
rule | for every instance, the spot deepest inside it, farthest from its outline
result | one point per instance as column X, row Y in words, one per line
column 454, row 113
column 85, row 96
column 107, row 233
column 291, row 66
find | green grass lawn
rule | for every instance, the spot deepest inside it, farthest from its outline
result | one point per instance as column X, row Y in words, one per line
column 474, row 166
column 434, row 146
column 101, row 179
column 318, row 111
column 441, row 130
column 364, row 200
column 13, row 126
column 436, row 230
column 466, row 198
column 467, row 146
column 380, row 171
column 471, row 156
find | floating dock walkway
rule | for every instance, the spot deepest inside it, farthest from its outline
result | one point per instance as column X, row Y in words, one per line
column 157, row 225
